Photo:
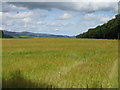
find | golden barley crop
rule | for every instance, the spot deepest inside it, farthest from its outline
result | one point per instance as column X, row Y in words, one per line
column 60, row 63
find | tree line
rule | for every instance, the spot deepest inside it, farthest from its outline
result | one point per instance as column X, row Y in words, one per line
column 109, row 30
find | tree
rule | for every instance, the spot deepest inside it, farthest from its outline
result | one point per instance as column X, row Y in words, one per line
column 108, row 30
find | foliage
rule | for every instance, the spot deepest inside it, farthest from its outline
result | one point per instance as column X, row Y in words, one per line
column 109, row 30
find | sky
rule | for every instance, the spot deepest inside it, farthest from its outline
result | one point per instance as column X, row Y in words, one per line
column 60, row 18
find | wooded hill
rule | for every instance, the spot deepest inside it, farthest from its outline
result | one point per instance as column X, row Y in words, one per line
column 109, row 30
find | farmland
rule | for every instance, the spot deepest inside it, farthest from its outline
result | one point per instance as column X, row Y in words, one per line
column 60, row 63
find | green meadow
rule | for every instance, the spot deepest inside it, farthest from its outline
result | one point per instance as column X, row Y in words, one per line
column 60, row 63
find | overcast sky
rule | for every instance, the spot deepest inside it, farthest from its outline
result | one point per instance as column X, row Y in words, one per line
column 64, row 18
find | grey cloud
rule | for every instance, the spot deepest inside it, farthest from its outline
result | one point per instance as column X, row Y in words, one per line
column 70, row 6
column 10, row 7
column 43, row 5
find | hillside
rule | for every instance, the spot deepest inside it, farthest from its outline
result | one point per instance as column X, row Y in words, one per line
column 9, row 34
column 108, row 30
column 3, row 35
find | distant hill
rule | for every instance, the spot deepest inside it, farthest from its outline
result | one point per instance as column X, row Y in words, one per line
column 9, row 34
column 2, row 35
column 109, row 30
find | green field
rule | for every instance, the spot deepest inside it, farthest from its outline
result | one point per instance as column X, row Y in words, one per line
column 60, row 63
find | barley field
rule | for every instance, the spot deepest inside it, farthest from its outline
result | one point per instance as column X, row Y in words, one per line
column 60, row 63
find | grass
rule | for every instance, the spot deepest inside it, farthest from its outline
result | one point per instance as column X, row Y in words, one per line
column 61, row 63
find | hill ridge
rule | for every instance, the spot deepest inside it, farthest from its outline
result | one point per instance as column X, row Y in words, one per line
column 24, row 34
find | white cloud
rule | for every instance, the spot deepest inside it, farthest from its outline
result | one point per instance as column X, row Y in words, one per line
column 59, row 24
column 40, row 22
column 9, row 19
column 104, row 19
column 96, row 17
column 90, row 16
column 54, row 24
column 23, row 15
column 88, row 24
column 56, row 29
column 68, row 24
column 19, row 15
column 113, row 17
column 33, row 26
column 0, row 17
column 9, row 23
column 65, row 16
column 0, row 14
column 27, row 20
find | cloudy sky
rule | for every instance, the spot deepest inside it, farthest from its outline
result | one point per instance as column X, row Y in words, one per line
column 63, row 18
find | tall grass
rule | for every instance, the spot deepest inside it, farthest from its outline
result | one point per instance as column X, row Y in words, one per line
column 62, row 63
